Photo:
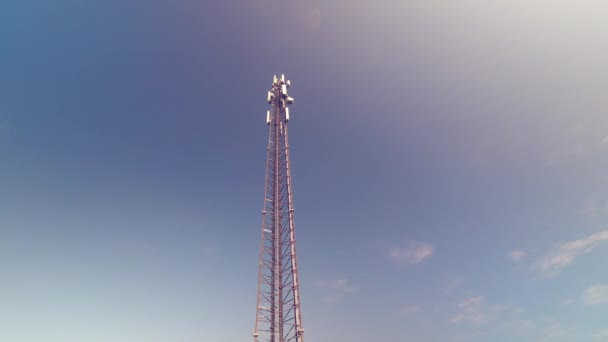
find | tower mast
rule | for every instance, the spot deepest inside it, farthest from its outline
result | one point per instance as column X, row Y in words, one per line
column 278, row 312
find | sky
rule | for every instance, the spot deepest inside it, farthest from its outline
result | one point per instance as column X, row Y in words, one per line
column 449, row 159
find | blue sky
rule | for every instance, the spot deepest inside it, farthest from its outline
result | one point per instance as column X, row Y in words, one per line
column 449, row 163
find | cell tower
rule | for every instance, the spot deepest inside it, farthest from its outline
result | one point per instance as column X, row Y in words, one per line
column 279, row 315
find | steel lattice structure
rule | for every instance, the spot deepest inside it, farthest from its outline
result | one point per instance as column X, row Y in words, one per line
column 278, row 317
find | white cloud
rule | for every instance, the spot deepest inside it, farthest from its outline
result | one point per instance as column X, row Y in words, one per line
column 566, row 253
column 476, row 310
column 473, row 310
column 601, row 335
column 516, row 255
column 596, row 295
column 337, row 288
column 414, row 253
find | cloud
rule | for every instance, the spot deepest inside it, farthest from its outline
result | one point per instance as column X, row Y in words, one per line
column 595, row 206
column 337, row 288
column 474, row 335
column 590, row 209
column 517, row 311
column 565, row 254
column 518, row 325
column 601, row 335
column 604, row 141
column 473, row 310
column 334, row 284
column 331, row 299
column 596, row 295
column 516, row 255
column 414, row 253
column 527, row 324
column 409, row 310
column 477, row 311
column 553, row 331
column 576, row 151
column 454, row 283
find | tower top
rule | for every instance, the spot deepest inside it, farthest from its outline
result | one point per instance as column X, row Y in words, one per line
column 280, row 81
column 278, row 95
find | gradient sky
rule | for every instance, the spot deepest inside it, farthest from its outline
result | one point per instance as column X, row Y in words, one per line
column 450, row 167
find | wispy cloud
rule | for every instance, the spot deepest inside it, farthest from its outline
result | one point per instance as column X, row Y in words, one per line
column 518, row 325
column 566, row 253
column 517, row 311
column 454, row 283
column 337, row 288
column 334, row 284
column 576, row 151
column 476, row 310
column 601, row 335
column 473, row 335
column 414, row 253
column 527, row 324
column 595, row 206
column 472, row 310
column 596, row 295
column 590, row 209
column 409, row 310
column 553, row 331
column 516, row 255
